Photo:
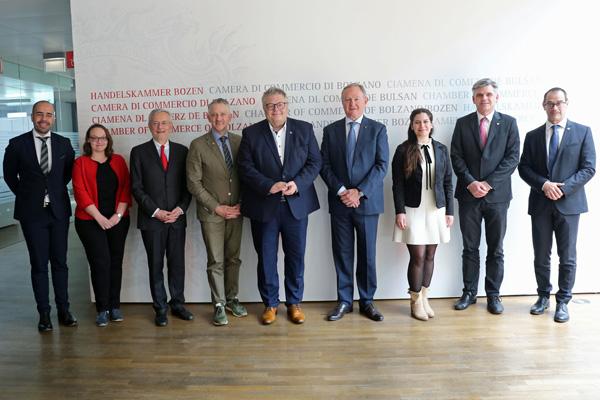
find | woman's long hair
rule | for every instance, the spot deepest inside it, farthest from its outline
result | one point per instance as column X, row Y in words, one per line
column 412, row 153
column 87, row 148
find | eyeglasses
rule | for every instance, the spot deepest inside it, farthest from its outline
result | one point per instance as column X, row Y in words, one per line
column 550, row 104
column 100, row 139
column 275, row 106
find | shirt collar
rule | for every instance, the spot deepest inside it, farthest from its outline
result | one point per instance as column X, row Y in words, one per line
column 284, row 128
column 217, row 136
column 358, row 120
column 158, row 144
column 562, row 124
column 489, row 116
column 37, row 134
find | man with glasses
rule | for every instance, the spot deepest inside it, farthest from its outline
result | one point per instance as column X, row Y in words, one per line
column 278, row 161
column 37, row 169
column 355, row 159
column 212, row 178
column 558, row 159
column 158, row 184
column 484, row 153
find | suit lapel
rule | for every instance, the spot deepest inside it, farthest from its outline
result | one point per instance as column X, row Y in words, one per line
column 289, row 139
column 340, row 137
column 270, row 141
column 567, row 137
column 474, row 123
column 30, row 148
column 364, row 137
column 215, row 149
column 494, row 127
column 153, row 153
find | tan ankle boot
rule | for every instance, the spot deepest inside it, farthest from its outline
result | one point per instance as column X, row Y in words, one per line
column 416, row 306
column 426, row 306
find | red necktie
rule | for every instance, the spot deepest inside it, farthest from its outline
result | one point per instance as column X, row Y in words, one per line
column 163, row 157
column 483, row 131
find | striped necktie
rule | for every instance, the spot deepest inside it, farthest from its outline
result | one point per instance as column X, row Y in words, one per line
column 226, row 153
column 44, row 156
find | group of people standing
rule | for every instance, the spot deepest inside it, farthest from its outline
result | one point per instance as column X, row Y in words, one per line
column 268, row 174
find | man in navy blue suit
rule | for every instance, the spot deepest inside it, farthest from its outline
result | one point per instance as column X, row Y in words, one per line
column 355, row 157
column 484, row 153
column 558, row 159
column 278, row 161
column 37, row 169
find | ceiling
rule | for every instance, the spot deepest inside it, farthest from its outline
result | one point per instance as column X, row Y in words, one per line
column 28, row 29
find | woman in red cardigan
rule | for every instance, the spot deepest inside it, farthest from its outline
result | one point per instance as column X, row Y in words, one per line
column 103, row 196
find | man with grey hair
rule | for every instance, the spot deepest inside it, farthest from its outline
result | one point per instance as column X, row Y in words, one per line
column 278, row 162
column 355, row 159
column 212, row 178
column 158, row 184
column 484, row 153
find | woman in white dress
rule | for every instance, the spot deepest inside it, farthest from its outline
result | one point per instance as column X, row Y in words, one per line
column 422, row 188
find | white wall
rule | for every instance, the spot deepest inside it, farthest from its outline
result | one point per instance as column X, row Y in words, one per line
column 408, row 53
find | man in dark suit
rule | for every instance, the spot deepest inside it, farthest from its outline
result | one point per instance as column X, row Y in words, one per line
column 484, row 153
column 355, row 158
column 37, row 169
column 212, row 178
column 158, row 183
column 278, row 162
column 558, row 159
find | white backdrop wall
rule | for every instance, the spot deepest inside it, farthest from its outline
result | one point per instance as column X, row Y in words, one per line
column 137, row 55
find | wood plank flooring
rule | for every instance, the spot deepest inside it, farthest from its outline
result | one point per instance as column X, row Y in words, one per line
column 457, row 355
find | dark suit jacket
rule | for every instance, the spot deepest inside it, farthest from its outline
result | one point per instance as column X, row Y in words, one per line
column 155, row 188
column 407, row 191
column 208, row 178
column 26, row 180
column 575, row 165
column 494, row 164
column 260, row 168
column 371, row 158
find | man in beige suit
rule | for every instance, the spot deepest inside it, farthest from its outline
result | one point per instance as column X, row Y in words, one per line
column 212, row 179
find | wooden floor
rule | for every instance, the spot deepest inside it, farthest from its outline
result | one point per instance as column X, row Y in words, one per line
column 458, row 355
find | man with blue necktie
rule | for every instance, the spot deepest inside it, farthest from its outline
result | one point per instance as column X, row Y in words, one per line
column 558, row 159
column 355, row 158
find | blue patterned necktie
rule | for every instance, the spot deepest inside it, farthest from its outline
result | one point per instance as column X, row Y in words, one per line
column 553, row 148
column 351, row 145
column 226, row 153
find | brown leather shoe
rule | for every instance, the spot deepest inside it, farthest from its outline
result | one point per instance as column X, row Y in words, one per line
column 295, row 313
column 269, row 315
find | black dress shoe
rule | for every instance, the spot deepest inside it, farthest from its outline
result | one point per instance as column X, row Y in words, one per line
column 540, row 306
column 65, row 318
column 181, row 313
column 339, row 311
column 494, row 305
column 465, row 301
column 562, row 313
column 45, row 325
column 161, row 318
column 371, row 312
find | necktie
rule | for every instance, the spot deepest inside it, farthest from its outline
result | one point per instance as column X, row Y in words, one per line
column 44, row 156
column 163, row 157
column 553, row 148
column 428, row 161
column 351, row 145
column 483, row 131
column 226, row 153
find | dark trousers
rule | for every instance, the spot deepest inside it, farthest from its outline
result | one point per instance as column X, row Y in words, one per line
column 47, row 242
column 265, row 236
column 343, row 229
column 565, row 228
column 104, row 250
column 493, row 215
column 167, row 241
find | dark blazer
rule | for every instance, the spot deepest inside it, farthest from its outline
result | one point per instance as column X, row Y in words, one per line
column 153, row 188
column 260, row 168
column 24, row 177
column 407, row 191
column 371, row 158
column 575, row 165
column 494, row 164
